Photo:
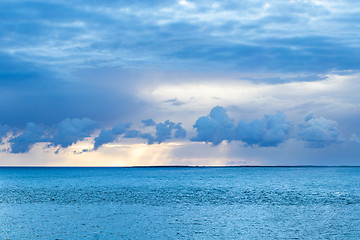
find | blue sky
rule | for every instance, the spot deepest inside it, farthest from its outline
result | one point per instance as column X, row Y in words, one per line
column 179, row 82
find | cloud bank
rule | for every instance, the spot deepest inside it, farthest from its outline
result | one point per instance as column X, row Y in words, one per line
column 270, row 131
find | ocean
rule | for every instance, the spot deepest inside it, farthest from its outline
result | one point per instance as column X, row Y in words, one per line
column 180, row 203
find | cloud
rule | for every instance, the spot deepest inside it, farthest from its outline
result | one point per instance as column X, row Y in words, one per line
column 32, row 134
column 150, row 138
column 214, row 128
column 51, row 76
column 174, row 102
column 318, row 132
column 45, row 96
column 69, row 131
column 120, row 128
column 164, row 132
column 218, row 127
column 132, row 134
column 108, row 136
column 4, row 130
column 100, row 34
column 148, row 122
column 63, row 134
column 179, row 131
column 267, row 132
column 354, row 139
column 107, row 60
column 105, row 136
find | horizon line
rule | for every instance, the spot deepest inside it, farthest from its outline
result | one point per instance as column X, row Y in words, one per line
column 175, row 166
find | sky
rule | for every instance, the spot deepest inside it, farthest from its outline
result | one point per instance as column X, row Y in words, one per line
column 200, row 83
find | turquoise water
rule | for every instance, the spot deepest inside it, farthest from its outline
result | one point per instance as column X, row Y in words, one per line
column 180, row 203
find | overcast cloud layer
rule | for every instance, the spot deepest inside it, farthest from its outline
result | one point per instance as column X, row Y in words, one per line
column 104, row 73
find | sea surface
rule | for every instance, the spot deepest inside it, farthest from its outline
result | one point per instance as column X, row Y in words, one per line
column 180, row 203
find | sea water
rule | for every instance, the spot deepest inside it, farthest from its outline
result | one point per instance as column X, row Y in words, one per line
column 180, row 203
